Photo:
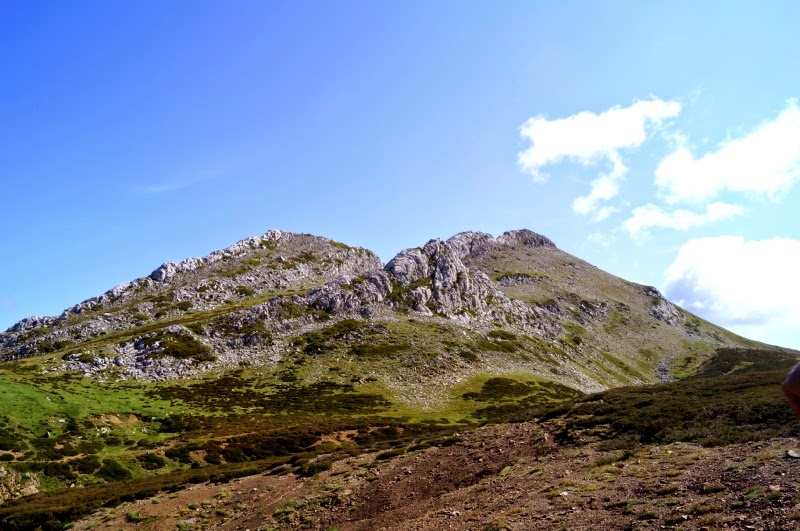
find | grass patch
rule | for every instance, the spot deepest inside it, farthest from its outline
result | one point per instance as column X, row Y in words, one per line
column 500, row 388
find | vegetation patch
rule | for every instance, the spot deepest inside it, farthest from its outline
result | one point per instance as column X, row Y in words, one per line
column 244, row 291
column 112, row 471
column 541, row 394
column 499, row 341
column 221, row 393
column 179, row 346
column 378, row 350
column 330, row 337
column 506, row 276
column 499, row 389
column 736, row 407
column 151, row 461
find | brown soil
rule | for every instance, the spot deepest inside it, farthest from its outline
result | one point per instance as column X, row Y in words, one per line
column 501, row 477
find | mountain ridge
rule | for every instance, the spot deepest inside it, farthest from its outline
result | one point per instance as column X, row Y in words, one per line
column 264, row 291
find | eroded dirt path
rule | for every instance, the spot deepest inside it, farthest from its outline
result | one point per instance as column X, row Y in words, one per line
column 500, row 477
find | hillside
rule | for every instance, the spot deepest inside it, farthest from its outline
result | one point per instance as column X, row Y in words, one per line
column 287, row 347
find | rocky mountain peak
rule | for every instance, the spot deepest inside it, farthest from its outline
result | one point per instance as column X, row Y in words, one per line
column 526, row 238
column 169, row 269
column 433, row 279
column 473, row 244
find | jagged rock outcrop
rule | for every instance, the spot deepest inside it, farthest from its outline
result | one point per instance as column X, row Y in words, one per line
column 475, row 244
column 169, row 269
column 434, row 280
column 525, row 238
column 344, row 295
column 661, row 308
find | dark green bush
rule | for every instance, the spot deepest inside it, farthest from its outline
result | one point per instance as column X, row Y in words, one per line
column 151, row 461
column 500, row 388
column 86, row 465
column 112, row 471
column 501, row 334
column 388, row 454
column 59, row 470
column 378, row 350
column 314, row 468
column 180, row 346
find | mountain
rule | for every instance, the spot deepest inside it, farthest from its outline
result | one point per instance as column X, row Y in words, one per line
column 286, row 347
column 255, row 301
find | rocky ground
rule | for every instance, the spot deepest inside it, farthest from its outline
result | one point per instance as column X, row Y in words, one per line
column 499, row 477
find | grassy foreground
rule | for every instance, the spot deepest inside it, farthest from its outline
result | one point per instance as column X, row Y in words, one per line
column 127, row 441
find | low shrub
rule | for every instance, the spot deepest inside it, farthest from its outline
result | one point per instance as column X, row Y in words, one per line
column 112, row 471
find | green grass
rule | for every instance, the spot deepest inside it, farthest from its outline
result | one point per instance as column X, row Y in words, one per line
column 500, row 398
column 694, row 354
column 36, row 403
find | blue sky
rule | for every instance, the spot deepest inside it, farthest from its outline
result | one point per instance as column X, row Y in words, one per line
column 659, row 141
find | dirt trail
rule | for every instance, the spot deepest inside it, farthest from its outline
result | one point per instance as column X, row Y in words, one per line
column 502, row 477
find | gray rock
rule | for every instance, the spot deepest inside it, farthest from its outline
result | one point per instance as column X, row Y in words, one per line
column 408, row 266
column 526, row 238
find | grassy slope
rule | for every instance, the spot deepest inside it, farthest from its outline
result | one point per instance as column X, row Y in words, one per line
column 623, row 339
column 738, row 389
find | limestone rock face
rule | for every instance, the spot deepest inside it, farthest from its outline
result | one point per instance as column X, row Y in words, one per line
column 526, row 238
column 476, row 244
column 169, row 269
column 661, row 308
column 454, row 287
column 434, row 280
column 344, row 295
column 408, row 266
column 29, row 323
column 471, row 243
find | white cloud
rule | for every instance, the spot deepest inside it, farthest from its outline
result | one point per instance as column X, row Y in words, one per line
column 650, row 215
column 748, row 285
column 604, row 188
column 765, row 162
column 588, row 137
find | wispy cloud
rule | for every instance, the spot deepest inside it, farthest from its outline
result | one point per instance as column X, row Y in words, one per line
column 154, row 189
column 765, row 162
column 175, row 185
column 6, row 303
column 589, row 138
column 651, row 216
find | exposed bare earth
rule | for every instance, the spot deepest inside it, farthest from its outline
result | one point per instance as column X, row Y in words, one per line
column 500, row 477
